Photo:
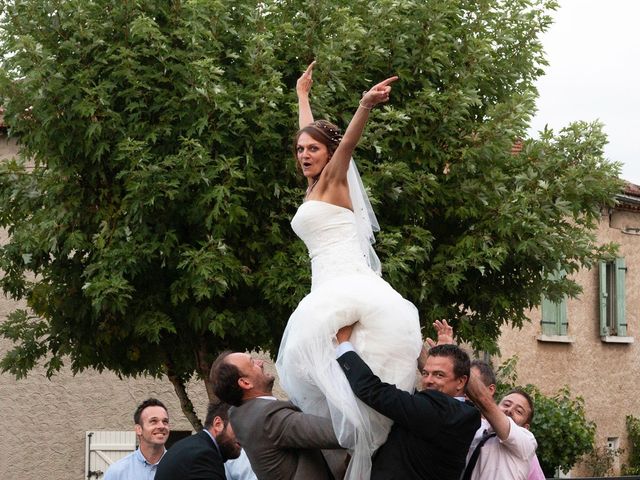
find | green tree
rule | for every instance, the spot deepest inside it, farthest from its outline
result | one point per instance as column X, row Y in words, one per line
column 562, row 429
column 148, row 215
column 633, row 431
column 560, row 425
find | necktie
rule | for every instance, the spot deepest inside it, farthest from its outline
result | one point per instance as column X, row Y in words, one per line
column 466, row 475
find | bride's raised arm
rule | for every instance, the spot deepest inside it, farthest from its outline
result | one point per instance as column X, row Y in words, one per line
column 336, row 169
column 303, row 87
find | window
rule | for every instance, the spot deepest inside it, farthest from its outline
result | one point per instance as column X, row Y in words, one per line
column 176, row 436
column 612, row 299
column 554, row 323
column 554, row 317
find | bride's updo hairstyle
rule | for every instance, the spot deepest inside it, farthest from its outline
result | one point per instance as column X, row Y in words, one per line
column 322, row 131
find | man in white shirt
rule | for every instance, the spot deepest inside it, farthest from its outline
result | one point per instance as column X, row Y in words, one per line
column 506, row 445
column 152, row 429
column 485, row 372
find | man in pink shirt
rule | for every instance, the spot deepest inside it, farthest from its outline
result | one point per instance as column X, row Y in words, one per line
column 485, row 373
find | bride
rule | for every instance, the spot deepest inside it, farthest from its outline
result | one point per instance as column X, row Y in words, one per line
column 346, row 287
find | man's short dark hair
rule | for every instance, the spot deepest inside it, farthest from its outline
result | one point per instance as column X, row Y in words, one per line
column 527, row 397
column 149, row 402
column 216, row 409
column 224, row 378
column 487, row 374
column 461, row 362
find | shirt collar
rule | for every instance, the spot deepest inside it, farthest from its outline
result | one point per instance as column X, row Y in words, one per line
column 140, row 457
column 214, row 440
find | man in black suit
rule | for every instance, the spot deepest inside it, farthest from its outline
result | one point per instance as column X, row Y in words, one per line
column 432, row 428
column 202, row 456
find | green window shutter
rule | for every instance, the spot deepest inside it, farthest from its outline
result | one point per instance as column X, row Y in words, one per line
column 563, row 322
column 554, row 315
column 604, row 330
column 550, row 317
column 621, row 321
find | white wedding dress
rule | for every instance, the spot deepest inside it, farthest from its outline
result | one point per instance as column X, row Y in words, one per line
column 387, row 336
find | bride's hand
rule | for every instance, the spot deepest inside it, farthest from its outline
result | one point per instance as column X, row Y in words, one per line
column 303, row 85
column 378, row 93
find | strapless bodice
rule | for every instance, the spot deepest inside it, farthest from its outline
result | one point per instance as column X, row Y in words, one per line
column 330, row 234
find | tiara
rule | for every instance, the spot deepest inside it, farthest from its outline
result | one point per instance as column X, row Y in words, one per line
column 333, row 133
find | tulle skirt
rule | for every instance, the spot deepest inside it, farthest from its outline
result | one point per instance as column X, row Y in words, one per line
column 387, row 337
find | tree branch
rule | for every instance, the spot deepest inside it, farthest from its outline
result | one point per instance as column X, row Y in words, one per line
column 185, row 402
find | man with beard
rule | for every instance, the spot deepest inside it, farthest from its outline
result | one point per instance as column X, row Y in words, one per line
column 152, row 429
column 282, row 442
column 202, row 456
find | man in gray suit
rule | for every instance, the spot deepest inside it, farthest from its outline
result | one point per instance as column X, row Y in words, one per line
column 281, row 441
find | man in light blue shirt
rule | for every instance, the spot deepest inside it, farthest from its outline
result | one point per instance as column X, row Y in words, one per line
column 152, row 430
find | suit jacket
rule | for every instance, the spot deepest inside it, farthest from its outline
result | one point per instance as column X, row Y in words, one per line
column 431, row 433
column 282, row 442
column 192, row 458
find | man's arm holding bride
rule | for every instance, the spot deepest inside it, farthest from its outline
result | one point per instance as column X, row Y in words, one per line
column 444, row 336
column 398, row 405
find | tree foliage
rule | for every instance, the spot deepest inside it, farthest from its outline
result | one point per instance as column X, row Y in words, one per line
column 563, row 432
column 560, row 425
column 600, row 461
column 149, row 213
column 633, row 459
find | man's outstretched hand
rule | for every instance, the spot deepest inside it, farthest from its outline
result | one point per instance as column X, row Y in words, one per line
column 444, row 333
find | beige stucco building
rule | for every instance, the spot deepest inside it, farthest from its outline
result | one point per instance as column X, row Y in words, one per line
column 599, row 362
column 44, row 423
